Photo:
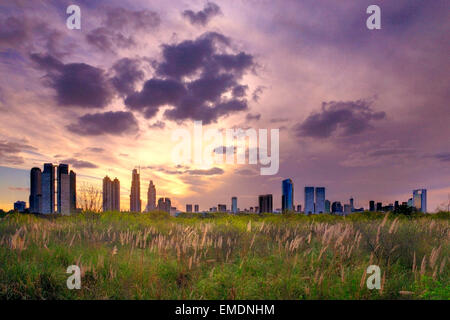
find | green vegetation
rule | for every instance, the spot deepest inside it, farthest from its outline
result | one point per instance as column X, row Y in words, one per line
column 220, row 256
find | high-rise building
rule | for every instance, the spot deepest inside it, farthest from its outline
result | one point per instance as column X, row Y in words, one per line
column 287, row 197
column 222, row 207
column 420, row 199
column 111, row 194
column 327, row 206
column 196, row 208
column 20, row 206
column 352, row 204
column 189, row 208
column 396, row 205
column 319, row 206
column 347, row 209
column 371, row 205
column 164, row 204
column 35, row 190
column 336, row 207
column 309, row 200
column 151, row 197
column 73, row 191
column 299, row 208
column 116, row 195
column 265, row 203
column 379, row 206
column 63, row 189
column 410, row 202
column 48, row 188
column 234, row 208
column 135, row 195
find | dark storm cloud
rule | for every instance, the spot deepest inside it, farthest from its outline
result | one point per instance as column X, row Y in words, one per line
column 76, row 84
column 201, row 97
column 444, row 156
column 349, row 118
column 251, row 117
column 120, row 18
column 106, row 39
column 119, row 27
column 127, row 73
column 113, row 123
column 80, row 164
column 202, row 17
column 9, row 151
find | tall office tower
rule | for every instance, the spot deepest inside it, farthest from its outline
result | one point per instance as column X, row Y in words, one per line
column 73, row 191
column 35, row 190
column 371, row 205
column 287, row 198
column 234, row 205
column 327, row 206
column 135, row 195
column 116, row 195
column 189, row 208
column 151, row 197
column 63, row 189
column 352, row 204
column 222, row 207
column 164, row 204
column 107, row 194
column 265, row 203
column 48, row 188
column 309, row 200
column 319, row 206
column 396, row 205
column 420, row 199
column 196, row 208
column 336, row 207
column 379, row 207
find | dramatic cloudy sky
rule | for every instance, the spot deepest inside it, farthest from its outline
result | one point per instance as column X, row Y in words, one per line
column 364, row 113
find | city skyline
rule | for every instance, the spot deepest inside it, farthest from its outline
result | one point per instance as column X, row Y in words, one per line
column 358, row 110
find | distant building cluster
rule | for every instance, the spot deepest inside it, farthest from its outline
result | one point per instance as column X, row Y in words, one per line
column 53, row 190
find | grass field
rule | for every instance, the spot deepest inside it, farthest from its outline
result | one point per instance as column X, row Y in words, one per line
column 155, row 256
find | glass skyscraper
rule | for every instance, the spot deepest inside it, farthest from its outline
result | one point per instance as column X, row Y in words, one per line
column 287, row 198
column 234, row 205
column 319, row 206
column 419, row 199
column 48, row 188
column 309, row 200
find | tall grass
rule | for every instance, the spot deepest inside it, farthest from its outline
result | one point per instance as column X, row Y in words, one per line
column 155, row 256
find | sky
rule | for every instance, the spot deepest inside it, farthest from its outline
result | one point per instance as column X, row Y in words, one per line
column 361, row 112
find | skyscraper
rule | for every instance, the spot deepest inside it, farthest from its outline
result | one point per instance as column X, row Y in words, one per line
column 287, row 198
column 111, row 194
column 196, row 208
column 73, row 191
column 35, row 190
column 234, row 205
column 352, row 204
column 222, row 207
column 116, row 195
column 189, row 208
column 63, row 189
column 327, row 206
column 309, row 200
column 135, row 196
column 420, row 199
column 371, row 205
column 48, row 188
column 379, row 206
column 319, row 206
column 151, row 197
column 265, row 203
